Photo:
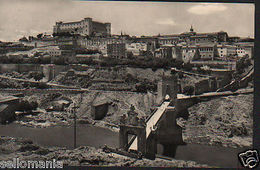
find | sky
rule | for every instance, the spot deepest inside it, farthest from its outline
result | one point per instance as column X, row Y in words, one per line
column 20, row 18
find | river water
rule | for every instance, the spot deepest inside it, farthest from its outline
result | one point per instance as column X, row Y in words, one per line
column 63, row 136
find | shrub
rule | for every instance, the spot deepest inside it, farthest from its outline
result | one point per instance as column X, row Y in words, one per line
column 188, row 90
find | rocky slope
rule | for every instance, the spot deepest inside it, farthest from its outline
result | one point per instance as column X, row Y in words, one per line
column 226, row 121
column 119, row 103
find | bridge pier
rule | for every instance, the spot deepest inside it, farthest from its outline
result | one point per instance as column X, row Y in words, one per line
column 169, row 133
column 151, row 146
column 169, row 149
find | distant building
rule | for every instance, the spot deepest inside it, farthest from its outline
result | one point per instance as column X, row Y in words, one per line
column 99, row 43
column 245, row 49
column 225, row 51
column 66, row 41
column 236, row 49
column 168, row 40
column 207, row 51
column 136, row 48
column 163, row 52
column 192, row 37
column 169, row 51
column 233, row 39
column 53, row 52
column 116, row 50
column 189, row 53
column 84, row 27
column 152, row 42
column 176, row 53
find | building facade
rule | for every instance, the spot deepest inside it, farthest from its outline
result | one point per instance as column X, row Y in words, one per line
column 188, row 53
column 168, row 40
column 84, row 27
column 99, row 43
column 245, row 49
column 226, row 50
column 116, row 50
column 207, row 51
column 136, row 48
column 192, row 37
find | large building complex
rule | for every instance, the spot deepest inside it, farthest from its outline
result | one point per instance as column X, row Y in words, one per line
column 188, row 46
column 192, row 37
column 84, row 27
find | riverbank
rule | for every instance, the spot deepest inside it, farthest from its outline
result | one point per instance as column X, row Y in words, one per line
column 25, row 149
column 224, row 121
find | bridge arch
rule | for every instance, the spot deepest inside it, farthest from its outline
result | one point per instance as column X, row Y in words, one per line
column 138, row 131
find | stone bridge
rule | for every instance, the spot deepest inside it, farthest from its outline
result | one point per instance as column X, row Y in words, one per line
column 138, row 134
column 159, row 128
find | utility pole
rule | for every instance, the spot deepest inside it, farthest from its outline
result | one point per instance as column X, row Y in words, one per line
column 74, row 107
column 75, row 126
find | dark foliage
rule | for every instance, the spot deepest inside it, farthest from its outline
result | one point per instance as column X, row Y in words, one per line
column 188, row 90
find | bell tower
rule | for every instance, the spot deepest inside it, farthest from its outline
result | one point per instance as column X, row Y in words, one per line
column 191, row 29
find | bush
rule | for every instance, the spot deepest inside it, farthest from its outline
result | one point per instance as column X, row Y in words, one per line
column 130, row 79
column 187, row 67
column 25, row 105
column 188, row 90
column 42, row 85
column 145, row 86
column 36, row 75
column 180, row 75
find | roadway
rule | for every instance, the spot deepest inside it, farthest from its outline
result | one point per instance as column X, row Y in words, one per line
column 213, row 94
column 151, row 122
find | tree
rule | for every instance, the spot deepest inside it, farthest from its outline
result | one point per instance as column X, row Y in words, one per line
column 187, row 66
column 188, row 90
column 25, row 105
column 36, row 75
column 39, row 36
column 24, row 39
column 130, row 55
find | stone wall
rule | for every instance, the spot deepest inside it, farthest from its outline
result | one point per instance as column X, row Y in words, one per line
column 202, row 86
column 19, row 67
column 100, row 111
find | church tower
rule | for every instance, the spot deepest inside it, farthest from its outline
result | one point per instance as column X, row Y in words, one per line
column 191, row 29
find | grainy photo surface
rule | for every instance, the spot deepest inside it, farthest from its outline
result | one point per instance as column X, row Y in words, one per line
column 127, row 84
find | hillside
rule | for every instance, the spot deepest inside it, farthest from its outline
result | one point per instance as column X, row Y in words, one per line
column 226, row 121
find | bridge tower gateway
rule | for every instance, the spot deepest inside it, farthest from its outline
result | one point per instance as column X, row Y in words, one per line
column 159, row 127
column 132, row 127
column 167, row 85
